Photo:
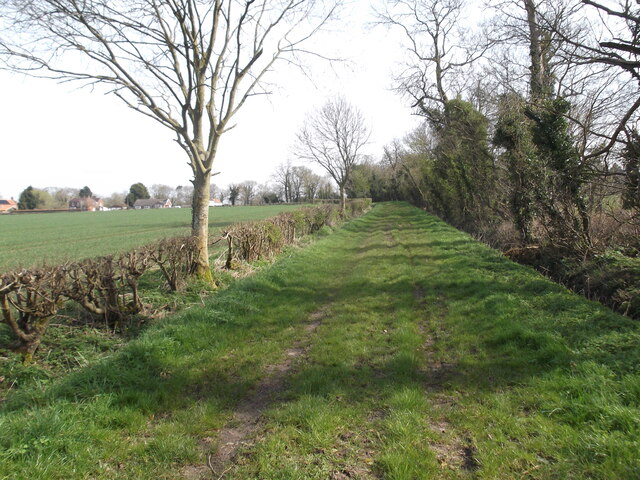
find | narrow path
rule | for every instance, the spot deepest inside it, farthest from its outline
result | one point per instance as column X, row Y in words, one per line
column 380, row 317
column 246, row 419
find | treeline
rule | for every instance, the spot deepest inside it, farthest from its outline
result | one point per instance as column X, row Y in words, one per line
column 58, row 198
column 289, row 184
column 529, row 139
column 109, row 287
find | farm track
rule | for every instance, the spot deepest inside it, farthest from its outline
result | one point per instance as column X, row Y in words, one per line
column 248, row 426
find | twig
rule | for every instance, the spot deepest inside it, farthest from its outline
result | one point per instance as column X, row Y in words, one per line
column 213, row 470
column 224, row 472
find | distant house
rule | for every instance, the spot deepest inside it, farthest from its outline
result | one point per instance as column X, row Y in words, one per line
column 88, row 204
column 117, row 206
column 7, row 206
column 216, row 202
column 144, row 204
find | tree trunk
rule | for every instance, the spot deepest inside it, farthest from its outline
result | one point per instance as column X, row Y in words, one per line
column 200, row 225
column 343, row 201
column 539, row 75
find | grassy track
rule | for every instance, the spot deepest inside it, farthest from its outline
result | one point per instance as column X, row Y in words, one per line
column 396, row 348
column 31, row 239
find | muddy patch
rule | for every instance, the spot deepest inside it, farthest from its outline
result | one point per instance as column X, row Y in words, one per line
column 454, row 453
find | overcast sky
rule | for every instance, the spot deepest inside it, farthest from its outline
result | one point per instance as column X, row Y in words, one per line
column 55, row 135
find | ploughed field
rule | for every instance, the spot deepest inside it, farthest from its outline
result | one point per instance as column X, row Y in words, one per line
column 31, row 239
column 395, row 347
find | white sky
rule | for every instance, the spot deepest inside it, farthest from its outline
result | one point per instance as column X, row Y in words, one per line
column 54, row 135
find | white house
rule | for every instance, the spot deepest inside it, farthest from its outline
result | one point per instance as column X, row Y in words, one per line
column 147, row 203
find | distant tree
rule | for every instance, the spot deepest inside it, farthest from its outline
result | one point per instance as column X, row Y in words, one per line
column 297, row 182
column 282, row 178
column 45, row 200
column 215, row 191
column 162, row 192
column 28, row 199
column 325, row 189
column 310, row 183
column 270, row 197
column 267, row 194
column 59, row 197
column 333, row 137
column 234, row 193
column 85, row 192
column 136, row 191
column 116, row 199
column 247, row 191
column 183, row 195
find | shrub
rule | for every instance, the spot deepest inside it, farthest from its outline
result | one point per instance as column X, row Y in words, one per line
column 358, row 206
column 256, row 240
column 28, row 300
column 108, row 286
column 175, row 258
column 253, row 241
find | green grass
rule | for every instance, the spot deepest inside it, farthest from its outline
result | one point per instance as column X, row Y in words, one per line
column 436, row 358
column 32, row 239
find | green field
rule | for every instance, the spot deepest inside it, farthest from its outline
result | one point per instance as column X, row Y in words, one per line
column 394, row 348
column 31, row 239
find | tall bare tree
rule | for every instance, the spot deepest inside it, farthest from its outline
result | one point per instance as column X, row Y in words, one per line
column 439, row 46
column 248, row 191
column 282, row 178
column 333, row 137
column 188, row 64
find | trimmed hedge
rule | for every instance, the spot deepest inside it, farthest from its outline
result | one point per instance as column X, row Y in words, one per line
column 108, row 286
column 250, row 241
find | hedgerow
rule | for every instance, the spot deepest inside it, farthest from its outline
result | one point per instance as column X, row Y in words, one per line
column 108, row 287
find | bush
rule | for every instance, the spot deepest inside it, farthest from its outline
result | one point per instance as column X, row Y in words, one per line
column 104, row 286
column 175, row 257
column 358, row 206
column 108, row 286
column 256, row 240
column 28, row 300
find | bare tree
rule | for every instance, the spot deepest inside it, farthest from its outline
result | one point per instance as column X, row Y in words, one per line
column 248, row 191
column 282, row 178
column 605, row 37
column 189, row 65
column 310, row 183
column 333, row 137
column 297, row 182
column 161, row 191
column 184, row 195
column 439, row 46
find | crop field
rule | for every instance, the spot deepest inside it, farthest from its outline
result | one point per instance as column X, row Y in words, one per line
column 30, row 240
